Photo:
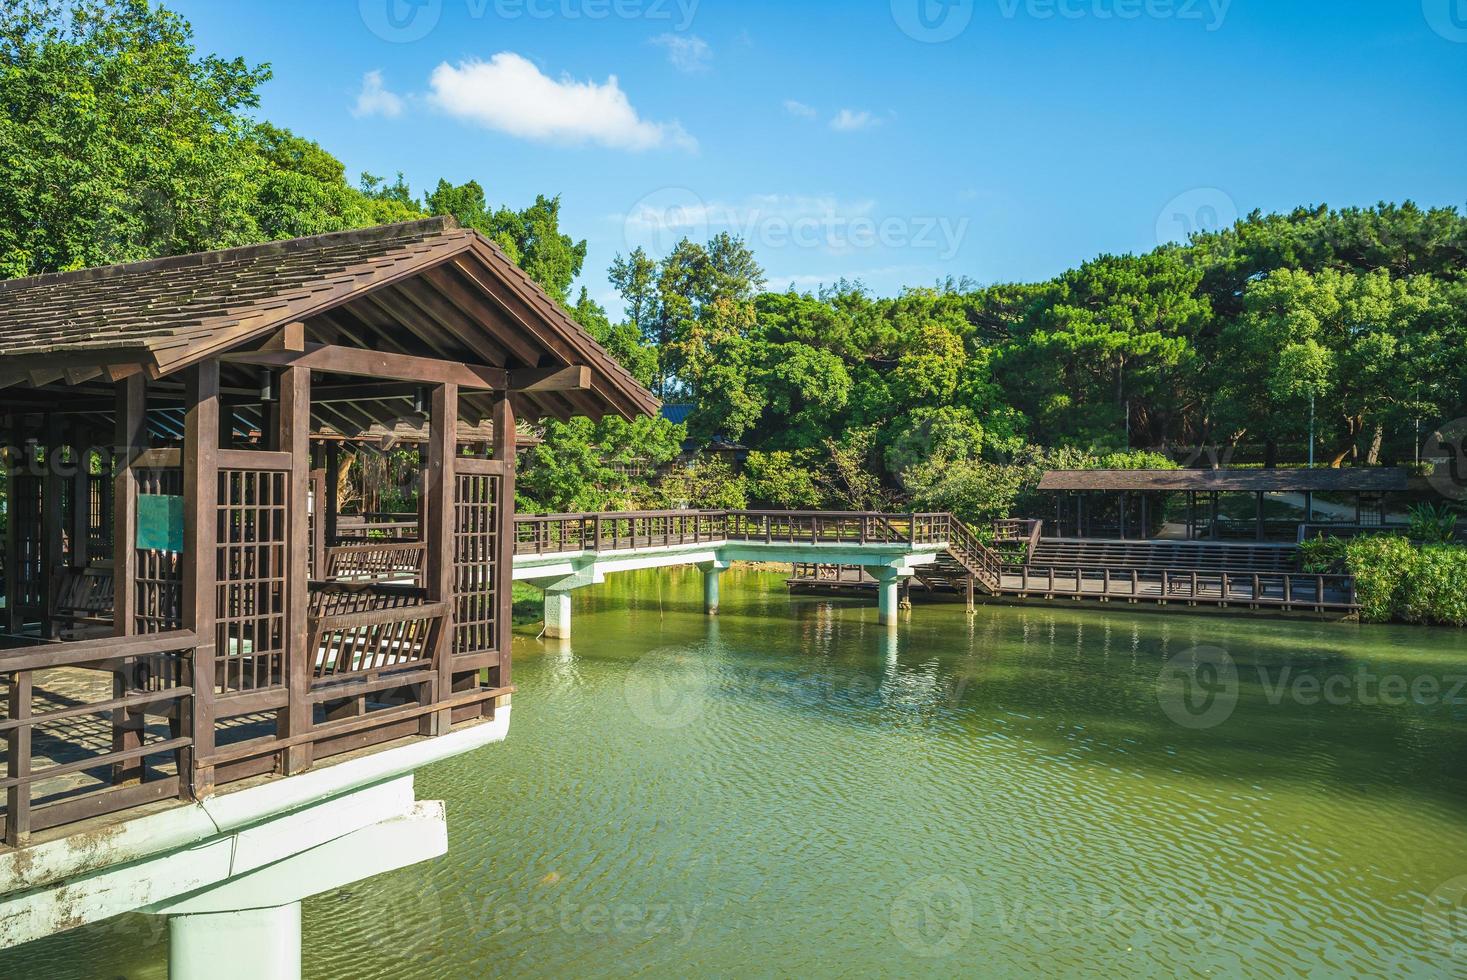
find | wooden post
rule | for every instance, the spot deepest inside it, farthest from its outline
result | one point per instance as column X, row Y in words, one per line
column 1258, row 511
column 200, row 601
column 131, row 439
column 14, row 460
column 18, row 761
column 51, row 523
column 436, row 508
column 81, row 500
column 333, row 493
column 318, row 523
column 504, row 449
column 295, row 438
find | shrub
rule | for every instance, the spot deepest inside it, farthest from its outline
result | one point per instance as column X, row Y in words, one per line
column 1322, row 555
column 1436, row 586
column 1396, row 580
column 1379, row 564
column 1433, row 525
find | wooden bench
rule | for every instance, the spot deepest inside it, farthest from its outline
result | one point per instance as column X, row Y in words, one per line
column 82, row 606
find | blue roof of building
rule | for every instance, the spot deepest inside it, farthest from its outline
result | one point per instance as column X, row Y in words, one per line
column 677, row 414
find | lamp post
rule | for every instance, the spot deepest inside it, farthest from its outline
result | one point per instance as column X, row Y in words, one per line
column 1311, row 427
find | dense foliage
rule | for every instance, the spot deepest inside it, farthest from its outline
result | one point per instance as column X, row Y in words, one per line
column 118, row 141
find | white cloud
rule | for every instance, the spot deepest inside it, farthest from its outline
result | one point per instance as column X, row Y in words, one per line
column 848, row 120
column 375, row 100
column 686, row 52
column 510, row 94
column 795, row 108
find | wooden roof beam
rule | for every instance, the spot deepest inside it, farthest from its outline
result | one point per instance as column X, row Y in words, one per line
column 577, row 377
column 379, row 364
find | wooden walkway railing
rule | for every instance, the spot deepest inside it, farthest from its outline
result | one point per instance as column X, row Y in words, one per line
column 1285, row 590
column 550, row 534
column 81, row 778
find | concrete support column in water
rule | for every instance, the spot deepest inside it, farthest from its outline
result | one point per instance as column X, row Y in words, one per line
column 245, row 944
column 888, row 594
column 711, row 571
column 558, row 614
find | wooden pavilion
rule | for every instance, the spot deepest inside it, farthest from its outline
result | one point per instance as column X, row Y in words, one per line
column 170, row 430
column 1218, row 504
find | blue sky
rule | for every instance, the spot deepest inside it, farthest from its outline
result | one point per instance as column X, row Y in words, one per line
column 876, row 139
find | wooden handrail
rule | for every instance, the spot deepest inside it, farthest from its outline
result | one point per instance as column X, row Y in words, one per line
column 82, row 652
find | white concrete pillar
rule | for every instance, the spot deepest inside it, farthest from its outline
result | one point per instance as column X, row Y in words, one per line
column 558, row 614
column 247, row 944
column 888, row 595
column 710, row 590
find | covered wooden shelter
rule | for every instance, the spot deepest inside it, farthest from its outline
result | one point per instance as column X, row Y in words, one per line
column 1261, row 504
column 169, row 429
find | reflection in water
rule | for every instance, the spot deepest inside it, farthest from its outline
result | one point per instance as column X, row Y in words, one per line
column 791, row 788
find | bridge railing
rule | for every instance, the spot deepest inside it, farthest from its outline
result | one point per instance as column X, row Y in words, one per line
column 541, row 534
column 559, row 533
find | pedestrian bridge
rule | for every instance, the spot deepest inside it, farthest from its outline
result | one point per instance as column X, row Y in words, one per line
column 563, row 552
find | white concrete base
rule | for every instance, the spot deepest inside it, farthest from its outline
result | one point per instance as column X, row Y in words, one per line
column 249, row 944
column 259, row 846
column 558, row 614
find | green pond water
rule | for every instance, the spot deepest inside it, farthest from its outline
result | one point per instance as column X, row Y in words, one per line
column 791, row 789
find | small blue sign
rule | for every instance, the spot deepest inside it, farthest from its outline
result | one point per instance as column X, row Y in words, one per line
column 160, row 522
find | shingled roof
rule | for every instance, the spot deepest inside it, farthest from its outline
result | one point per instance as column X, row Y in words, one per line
column 429, row 288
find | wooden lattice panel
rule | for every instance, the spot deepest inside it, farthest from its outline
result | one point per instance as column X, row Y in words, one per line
column 159, row 582
column 476, row 578
column 99, row 508
column 250, row 571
